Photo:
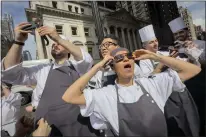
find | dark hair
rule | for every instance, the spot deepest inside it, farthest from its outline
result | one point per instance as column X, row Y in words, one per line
column 111, row 36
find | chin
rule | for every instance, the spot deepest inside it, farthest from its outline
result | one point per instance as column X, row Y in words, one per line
column 128, row 76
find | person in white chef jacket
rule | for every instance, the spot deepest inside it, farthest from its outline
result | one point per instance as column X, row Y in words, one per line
column 150, row 42
column 109, row 43
column 195, row 49
column 151, row 68
column 50, row 78
column 132, row 106
column 10, row 107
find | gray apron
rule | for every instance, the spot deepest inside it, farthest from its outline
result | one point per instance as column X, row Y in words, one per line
column 181, row 113
column 65, row 118
column 142, row 118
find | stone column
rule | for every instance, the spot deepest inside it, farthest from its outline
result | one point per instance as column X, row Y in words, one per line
column 123, row 38
column 105, row 31
column 116, row 32
column 129, row 39
column 139, row 42
column 134, row 39
column 108, row 30
column 39, row 45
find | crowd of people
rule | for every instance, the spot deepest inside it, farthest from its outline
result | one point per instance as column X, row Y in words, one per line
column 128, row 93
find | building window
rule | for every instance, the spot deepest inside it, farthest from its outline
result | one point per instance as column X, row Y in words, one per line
column 74, row 30
column 59, row 29
column 82, row 10
column 76, row 9
column 69, row 7
column 90, row 51
column 86, row 31
column 54, row 4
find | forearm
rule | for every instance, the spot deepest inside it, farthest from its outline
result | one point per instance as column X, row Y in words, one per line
column 72, row 49
column 158, row 69
column 13, row 57
column 185, row 70
column 74, row 93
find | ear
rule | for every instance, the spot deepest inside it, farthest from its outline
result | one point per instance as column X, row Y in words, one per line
column 143, row 45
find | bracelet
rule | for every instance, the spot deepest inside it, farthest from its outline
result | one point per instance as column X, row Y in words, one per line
column 18, row 43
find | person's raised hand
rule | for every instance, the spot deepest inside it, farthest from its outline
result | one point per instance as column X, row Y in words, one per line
column 21, row 35
column 189, row 44
column 50, row 31
column 43, row 129
column 142, row 54
column 29, row 108
column 105, row 61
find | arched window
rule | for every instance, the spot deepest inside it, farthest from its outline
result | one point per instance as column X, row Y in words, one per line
column 90, row 45
column 78, row 43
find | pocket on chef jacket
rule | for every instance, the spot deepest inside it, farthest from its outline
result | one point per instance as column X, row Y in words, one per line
column 62, row 114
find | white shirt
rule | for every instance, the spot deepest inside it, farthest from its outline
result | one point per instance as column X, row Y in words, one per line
column 10, row 107
column 37, row 75
column 147, row 65
column 103, row 102
column 96, row 82
column 200, row 46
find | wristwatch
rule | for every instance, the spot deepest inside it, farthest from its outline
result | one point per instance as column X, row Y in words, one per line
column 18, row 43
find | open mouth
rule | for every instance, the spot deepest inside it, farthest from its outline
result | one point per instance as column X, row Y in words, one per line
column 127, row 66
column 155, row 47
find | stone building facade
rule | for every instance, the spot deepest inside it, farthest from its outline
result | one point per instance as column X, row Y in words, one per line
column 75, row 21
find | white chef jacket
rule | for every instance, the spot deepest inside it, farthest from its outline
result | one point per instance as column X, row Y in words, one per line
column 96, row 82
column 147, row 65
column 201, row 46
column 102, row 102
column 10, row 107
column 37, row 75
column 196, row 53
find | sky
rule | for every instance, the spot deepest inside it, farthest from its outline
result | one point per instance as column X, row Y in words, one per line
column 197, row 10
column 17, row 10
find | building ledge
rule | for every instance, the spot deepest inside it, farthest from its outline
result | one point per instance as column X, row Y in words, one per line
column 61, row 13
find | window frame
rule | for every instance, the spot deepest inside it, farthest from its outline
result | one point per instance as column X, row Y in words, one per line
column 53, row 4
column 57, row 29
column 81, row 10
column 68, row 7
column 89, row 35
column 77, row 30
column 77, row 9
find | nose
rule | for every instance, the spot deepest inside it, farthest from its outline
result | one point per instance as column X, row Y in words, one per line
column 125, row 59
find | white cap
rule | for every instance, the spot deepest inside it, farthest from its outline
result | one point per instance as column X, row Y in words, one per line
column 177, row 24
column 64, row 37
column 147, row 33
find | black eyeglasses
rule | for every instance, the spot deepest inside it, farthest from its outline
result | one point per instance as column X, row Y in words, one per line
column 107, row 44
column 121, row 57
